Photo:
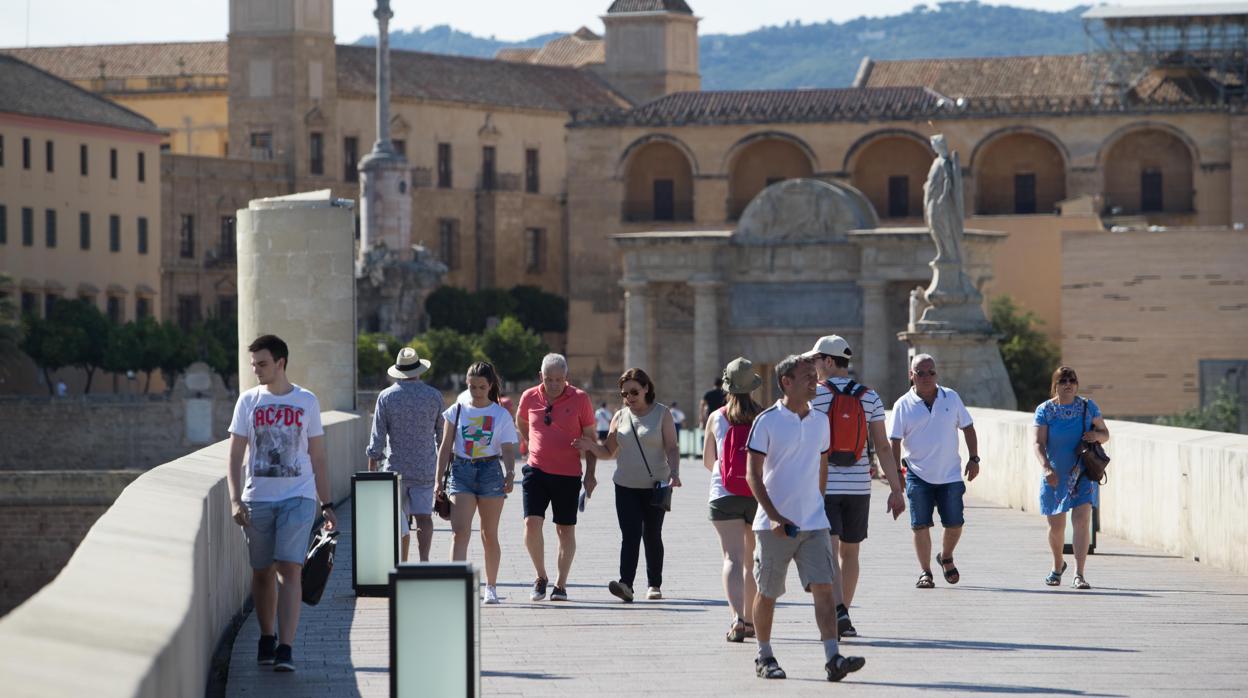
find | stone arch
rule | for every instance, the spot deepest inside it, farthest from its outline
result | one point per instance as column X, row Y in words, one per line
column 1019, row 170
column 1148, row 167
column 762, row 159
column 658, row 172
column 889, row 167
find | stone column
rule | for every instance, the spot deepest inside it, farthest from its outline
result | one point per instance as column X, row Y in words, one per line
column 296, row 280
column 706, row 359
column 872, row 358
column 636, row 322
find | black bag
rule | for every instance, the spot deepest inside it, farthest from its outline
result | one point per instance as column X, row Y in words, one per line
column 318, row 565
column 442, row 500
column 661, row 495
column 1091, row 455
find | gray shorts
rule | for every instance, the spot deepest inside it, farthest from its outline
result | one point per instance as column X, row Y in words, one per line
column 812, row 550
column 279, row 531
column 415, row 500
column 733, row 507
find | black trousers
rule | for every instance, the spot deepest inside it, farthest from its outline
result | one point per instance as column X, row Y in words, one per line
column 639, row 521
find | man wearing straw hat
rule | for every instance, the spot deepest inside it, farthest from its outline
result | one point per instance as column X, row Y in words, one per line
column 408, row 419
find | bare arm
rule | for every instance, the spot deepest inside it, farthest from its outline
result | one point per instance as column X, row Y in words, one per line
column 591, row 463
column 972, row 447
column 609, row 446
column 234, row 478
column 1099, row 433
column 708, row 449
column 446, row 449
column 509, row 467
column 1040, row 446
column 671, row 447
column 522, row 424
column 823, row 472
column 324, row 489
column 894, row 445
column 888, row 462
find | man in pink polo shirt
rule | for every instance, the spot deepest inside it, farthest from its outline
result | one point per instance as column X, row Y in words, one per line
column 550, row 417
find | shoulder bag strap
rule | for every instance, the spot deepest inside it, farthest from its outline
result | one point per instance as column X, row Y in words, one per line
column 633, row 424
column 446, row 474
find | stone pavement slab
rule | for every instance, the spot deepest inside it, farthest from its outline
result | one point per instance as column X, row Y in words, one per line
column 1153, row 625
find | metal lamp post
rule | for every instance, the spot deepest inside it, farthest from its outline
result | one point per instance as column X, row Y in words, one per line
column 375, row 534
column 425, row 596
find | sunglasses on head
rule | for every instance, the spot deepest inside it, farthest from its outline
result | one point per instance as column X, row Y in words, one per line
column 925, row 374
column 630, row 393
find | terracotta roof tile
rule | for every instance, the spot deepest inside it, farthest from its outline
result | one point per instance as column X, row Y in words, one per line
column 580, row 48
column 1033, row 76
column 27, row 90
column 476, row 81
column 127, row 60
column 620, row 6
column 772, row 106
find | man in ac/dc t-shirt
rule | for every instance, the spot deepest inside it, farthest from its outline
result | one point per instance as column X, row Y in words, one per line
column 277, row 426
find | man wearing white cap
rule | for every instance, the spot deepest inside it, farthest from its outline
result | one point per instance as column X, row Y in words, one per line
column 854, row 413
column 408, row 418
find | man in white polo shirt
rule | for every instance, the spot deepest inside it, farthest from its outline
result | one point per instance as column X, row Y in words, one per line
column 924, row 429
column 787, row 468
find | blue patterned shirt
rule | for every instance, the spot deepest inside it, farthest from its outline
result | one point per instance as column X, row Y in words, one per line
column 408, row 418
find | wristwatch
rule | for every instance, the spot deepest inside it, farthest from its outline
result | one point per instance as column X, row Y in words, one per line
column 975, row 460
column 327, row 505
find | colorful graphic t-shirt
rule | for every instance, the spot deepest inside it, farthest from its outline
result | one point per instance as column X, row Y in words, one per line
column 277, row 429
column 481, row 431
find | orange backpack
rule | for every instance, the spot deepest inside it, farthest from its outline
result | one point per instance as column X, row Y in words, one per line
column 848, row 423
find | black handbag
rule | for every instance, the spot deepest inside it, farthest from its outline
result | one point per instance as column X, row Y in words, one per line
column 317, row 566
column 661, row 495
column 442, row 500
column 1091, row 455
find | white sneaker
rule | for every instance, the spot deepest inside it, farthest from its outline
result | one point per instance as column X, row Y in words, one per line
column 491, row 596
column 654, row 594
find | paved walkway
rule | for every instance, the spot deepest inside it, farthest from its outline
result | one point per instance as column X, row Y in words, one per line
column 1154, row 624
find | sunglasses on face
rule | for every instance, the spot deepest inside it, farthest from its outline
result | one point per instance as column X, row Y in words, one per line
column 1068, row 381
column 629, row 393
column 924, row 374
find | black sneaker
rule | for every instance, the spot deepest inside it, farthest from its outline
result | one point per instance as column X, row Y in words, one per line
column 845, row 627
column 539, row 590
column 282, row 659
column 768, row 668
column 558, row 594
column 264, row 656
column 621, row 590
column 841, row 666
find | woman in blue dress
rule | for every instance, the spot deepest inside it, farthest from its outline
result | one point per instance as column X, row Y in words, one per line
column 1061, row 423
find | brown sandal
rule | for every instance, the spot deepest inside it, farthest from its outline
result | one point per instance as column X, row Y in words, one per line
column 925, row 581
column 736, row 633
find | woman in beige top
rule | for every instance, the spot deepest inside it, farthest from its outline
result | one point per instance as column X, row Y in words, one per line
column 643, row 440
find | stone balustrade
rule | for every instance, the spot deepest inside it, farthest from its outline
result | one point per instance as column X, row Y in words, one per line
column 1182, row 491
column 143, row 602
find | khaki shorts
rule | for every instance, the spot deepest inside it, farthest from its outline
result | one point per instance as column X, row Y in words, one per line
column 812, row 550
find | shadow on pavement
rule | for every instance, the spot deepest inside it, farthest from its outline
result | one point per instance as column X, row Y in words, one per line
column 908, row 643
column 989, row 688
column 1071, row 592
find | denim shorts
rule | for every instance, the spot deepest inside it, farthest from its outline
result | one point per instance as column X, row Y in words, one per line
column 924, row 497
column 279, row 531
column 483, row 478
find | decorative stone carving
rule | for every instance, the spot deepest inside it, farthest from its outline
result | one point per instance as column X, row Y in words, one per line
column 804, row 210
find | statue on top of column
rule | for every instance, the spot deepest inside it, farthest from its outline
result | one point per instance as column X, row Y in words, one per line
column 942, row 202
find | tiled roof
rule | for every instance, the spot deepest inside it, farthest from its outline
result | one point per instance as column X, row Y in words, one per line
column 580, row 48
column 476, row 81
column 620, row 6
column 127, row 60
column 772, row 106
column 1034, row 76
column 27, row 90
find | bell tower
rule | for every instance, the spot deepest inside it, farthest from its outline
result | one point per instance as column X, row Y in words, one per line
column 652, row 48
column 283, row 89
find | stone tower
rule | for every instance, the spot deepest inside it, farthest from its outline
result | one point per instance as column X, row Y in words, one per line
column 652, row 48
column 283, row 90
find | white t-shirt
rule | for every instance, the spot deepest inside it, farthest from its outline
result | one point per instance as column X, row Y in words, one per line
column 929, row 438
column 717, row 426
column 602, row 419
column 678, row 417
column 481, row 431
column 793, row 447
column 856, row 479
column 277, row 429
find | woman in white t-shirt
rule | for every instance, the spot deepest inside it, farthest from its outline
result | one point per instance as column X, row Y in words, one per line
column 478, row 432
column 732, row 513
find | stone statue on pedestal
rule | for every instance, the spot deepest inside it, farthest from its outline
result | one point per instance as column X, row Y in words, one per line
column 391, row 290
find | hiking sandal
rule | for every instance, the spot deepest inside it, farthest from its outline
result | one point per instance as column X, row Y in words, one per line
column 749, row 629
column 1080, row 583
column 951, row 575
column 768, row 668
column 736, row 633
column 1055, row 578
column 925, row 581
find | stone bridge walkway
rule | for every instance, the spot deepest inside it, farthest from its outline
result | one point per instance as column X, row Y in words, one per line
column 1153, row 625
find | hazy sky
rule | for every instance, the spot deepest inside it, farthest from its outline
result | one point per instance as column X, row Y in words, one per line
column 57, row 22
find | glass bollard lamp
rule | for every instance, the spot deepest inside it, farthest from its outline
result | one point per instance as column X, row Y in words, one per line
column 375, row 534
column 434, row 630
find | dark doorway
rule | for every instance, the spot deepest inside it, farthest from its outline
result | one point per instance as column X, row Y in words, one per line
column 1151, row 200
column 1024, row 193
column 664, row 200
column 898, row 196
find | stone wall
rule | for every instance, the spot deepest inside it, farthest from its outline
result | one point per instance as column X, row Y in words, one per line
column 43, row 517
column 1179, row 490
column 138, row 614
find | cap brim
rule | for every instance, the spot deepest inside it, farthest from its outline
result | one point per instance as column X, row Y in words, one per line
column 395, row 373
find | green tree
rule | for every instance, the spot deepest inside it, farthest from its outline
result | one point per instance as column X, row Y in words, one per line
column 375, row 352
column 540, row 311
column 86, row 330
column 151, row 341
column 449, row 352
column 515, row 351
column 1221, row 414
column 122, row 350
column 10, row 325
column 217, row 339
column 176, row 351
column 494, row 302
column 1029, row 355
column 455, row 309
column 48, row 344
